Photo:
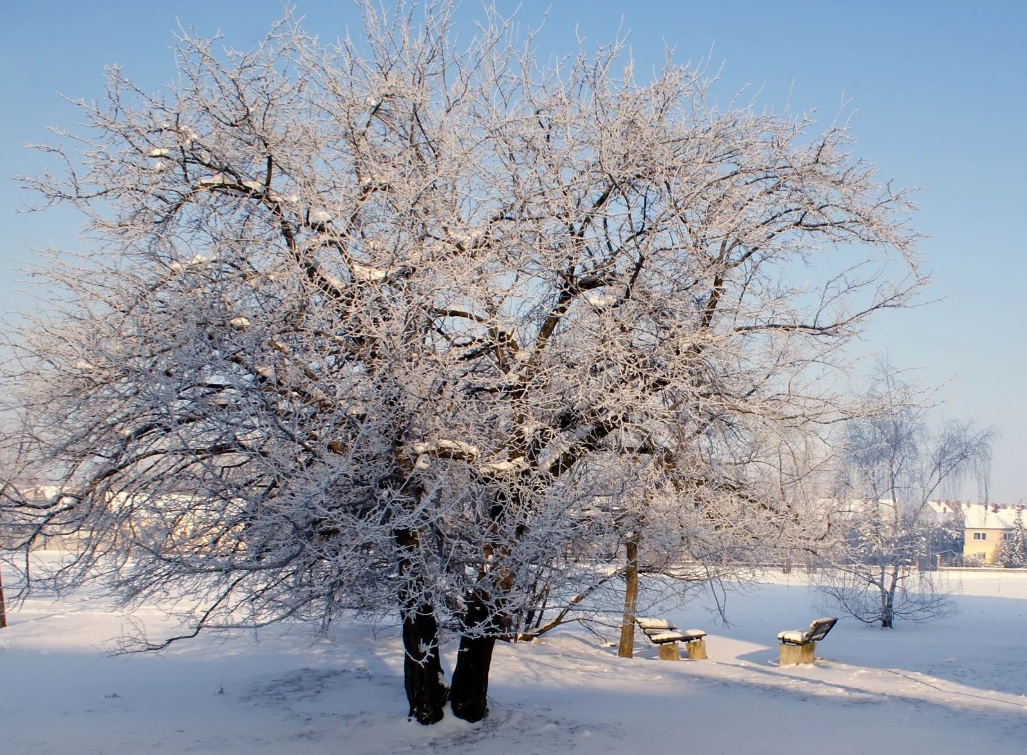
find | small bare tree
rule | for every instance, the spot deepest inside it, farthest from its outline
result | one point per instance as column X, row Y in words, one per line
column 893, row 465
column 393, row 326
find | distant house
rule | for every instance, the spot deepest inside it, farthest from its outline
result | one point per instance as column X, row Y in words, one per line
column 985, row 527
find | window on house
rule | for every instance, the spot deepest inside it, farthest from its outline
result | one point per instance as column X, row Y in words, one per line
column 1007, row 535
column 980, row 536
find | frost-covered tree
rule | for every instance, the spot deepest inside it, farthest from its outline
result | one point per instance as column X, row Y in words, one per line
column 892, row 465
column 396, row 325
column 1013, row 552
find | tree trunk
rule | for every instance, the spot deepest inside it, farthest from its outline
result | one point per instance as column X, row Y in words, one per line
column 423, row 677
column 888, row 598
column 422, row 666
column 468, row 694
column 3, row 604
column 627, row 628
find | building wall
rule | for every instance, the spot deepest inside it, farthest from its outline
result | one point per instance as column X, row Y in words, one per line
column 986, row 549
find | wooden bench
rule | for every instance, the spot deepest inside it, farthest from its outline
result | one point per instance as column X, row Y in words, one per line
column 666, row 637
column 799, row 646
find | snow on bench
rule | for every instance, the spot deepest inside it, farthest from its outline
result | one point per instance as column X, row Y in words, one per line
column 666, row 637
column 818, row 630
column 651, row 624
column 799, row 646
column 794, row 636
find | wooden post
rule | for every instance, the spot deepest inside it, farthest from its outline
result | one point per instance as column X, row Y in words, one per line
column 696, row 650
column 793, row 655
column 669, row 651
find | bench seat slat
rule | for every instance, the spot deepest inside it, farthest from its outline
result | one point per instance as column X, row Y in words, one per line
column 690, row 635
column 645, row 624
column 667, row 637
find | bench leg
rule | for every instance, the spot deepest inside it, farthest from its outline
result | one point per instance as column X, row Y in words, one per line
column 793, row 655
column 696, row 650
column 669, row 651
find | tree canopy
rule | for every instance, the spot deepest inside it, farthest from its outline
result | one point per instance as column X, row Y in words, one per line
column 400, row 324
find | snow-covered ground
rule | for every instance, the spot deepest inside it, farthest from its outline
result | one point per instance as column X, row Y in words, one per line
column 955, row 686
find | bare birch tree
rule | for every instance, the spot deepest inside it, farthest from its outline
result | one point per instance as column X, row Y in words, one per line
column 394, row 325
column 893, row 465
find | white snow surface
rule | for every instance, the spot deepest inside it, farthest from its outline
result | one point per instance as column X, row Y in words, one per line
column 795, row 636
column 954, row 686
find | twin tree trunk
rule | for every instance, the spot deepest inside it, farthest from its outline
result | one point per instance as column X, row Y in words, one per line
column 422, row 664
column 422, row 668
column 468, row 695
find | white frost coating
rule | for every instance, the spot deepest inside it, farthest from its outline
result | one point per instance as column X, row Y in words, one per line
column 239, row 323
column 199, row 259
column 450, row 448
column 423, row 462
column 320, row 216
column 466, row 240
column 337, row 283
column 254, row 186
column 600, row 301
column 218, row 179
column 457, row 446
column 188, row 136
column 83, row 366
column 531, row 426
column 501, row 467
column 159, row 152
column 366, row 273
column 291, row 200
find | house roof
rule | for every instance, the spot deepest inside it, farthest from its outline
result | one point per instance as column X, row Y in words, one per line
column 987, row 516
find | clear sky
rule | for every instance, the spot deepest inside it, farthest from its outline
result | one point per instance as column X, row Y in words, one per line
column 939, row 89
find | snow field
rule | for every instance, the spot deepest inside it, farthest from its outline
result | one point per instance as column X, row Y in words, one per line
column 955, row 686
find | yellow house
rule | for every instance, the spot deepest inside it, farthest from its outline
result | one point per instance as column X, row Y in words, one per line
column 985, row 527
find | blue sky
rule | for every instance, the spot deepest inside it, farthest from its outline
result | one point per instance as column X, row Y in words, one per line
column 939, row 89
